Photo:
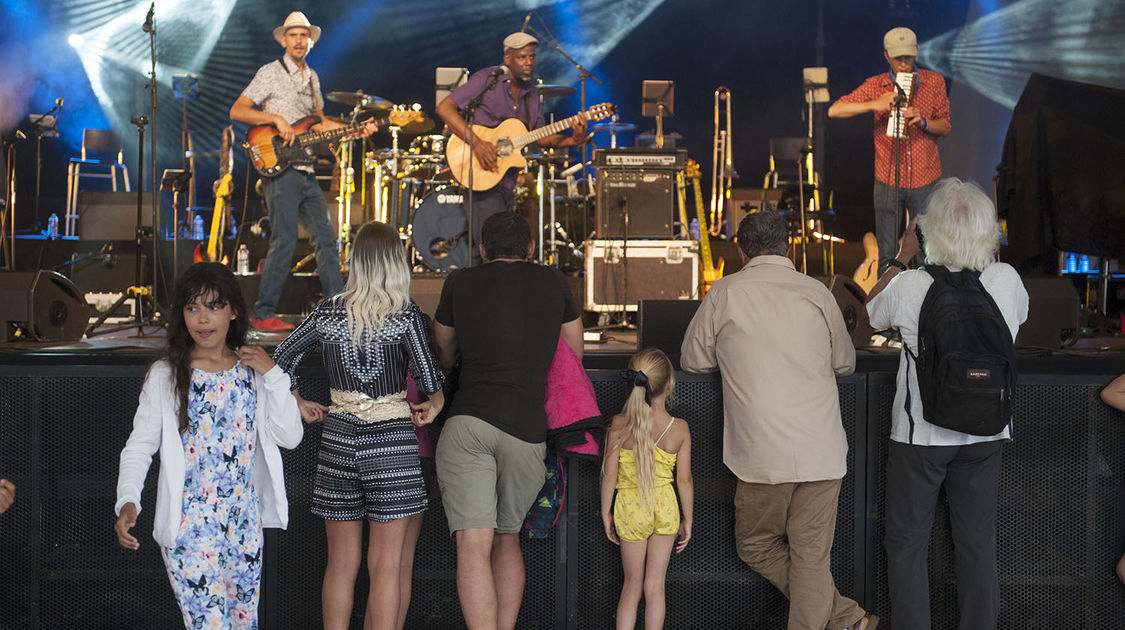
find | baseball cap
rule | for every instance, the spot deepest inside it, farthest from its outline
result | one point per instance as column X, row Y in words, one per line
column 900, row 41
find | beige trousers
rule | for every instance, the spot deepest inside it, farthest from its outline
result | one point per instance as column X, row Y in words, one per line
column 784, row 532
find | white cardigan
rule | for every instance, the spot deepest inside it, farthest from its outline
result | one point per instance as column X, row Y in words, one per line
column 277, row 422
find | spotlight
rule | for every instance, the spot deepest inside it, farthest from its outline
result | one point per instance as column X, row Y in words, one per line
column 75, row 40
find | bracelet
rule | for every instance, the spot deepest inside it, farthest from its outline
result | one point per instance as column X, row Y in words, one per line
column 925, row 124
column 897, row 264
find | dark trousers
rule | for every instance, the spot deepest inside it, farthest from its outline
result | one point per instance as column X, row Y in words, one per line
column 889, row 219
column 485, row 204
column 971, row 476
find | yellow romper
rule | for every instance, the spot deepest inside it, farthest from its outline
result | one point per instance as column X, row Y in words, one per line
column 634, row 522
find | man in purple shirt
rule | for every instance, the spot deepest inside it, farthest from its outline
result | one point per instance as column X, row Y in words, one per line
column 513, row 95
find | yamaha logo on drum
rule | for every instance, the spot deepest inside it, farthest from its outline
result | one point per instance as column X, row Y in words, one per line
column 451, row 198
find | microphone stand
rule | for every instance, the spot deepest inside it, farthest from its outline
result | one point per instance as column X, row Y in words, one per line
column 583, row 74
column 150, row 28
column 468, row 113
column 896, row 113
column 39, row 131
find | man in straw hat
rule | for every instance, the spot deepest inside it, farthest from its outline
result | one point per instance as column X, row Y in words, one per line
column 513, row 95
column 905, row 172
column 282, row 92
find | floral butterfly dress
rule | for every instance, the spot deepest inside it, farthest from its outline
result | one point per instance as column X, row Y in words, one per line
column 215, row 567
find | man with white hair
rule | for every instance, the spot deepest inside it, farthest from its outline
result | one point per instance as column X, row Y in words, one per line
column 906, row 169
column 961, row 233
column 282, row 92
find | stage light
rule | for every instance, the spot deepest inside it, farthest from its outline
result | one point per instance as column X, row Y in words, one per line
column 1080, row 40
column 75, row 40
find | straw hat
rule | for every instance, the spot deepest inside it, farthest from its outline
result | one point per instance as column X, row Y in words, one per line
column 295, row 19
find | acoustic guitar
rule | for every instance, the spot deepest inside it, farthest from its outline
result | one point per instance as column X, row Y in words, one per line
column 270, row 157
column 868, row 272
column 509, row 137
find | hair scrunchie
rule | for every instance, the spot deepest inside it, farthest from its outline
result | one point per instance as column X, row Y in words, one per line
column 638, row 379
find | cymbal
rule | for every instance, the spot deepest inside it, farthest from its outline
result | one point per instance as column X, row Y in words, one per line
column 553, row 91
column 613, row 127
column 358, row 98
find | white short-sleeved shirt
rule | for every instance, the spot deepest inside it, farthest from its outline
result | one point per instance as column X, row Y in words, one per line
column 898, row 306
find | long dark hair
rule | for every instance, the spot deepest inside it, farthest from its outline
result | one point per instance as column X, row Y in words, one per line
column 201, row 279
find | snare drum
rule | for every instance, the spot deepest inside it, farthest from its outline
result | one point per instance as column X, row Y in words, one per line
column 440, row 230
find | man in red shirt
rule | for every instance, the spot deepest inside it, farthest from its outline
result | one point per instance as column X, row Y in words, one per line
column 906, row 168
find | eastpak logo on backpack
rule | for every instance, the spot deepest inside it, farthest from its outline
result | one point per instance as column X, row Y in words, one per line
column 966, row 357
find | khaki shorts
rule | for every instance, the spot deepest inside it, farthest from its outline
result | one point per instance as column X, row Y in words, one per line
column 488, row 479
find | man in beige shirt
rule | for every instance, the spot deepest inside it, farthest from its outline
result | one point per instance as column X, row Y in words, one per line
column 779, row 340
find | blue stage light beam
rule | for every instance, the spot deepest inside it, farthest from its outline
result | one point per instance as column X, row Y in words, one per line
column 1080, row 40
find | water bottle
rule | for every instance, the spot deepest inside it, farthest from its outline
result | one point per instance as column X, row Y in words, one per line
column 694, row 229
column 243, row 259
column 1084, row 264
column 197, row 228
column 1071, row 263
column 53, row 226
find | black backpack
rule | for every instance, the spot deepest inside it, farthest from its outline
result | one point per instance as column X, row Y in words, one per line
column 966, row 358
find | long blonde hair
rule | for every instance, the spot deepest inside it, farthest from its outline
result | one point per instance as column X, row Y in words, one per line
column 649, row 375
column 378, row 282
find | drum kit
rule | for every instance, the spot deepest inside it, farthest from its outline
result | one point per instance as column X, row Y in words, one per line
column 412, row 189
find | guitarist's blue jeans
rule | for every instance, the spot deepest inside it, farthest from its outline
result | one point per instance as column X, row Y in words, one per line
column 296, row 196
column 889, row 221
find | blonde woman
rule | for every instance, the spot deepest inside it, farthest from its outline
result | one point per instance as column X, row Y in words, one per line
column 369, row 336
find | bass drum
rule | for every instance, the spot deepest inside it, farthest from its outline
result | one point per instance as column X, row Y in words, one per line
column 440, row 230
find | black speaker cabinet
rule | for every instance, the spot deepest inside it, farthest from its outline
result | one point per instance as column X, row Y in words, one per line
column 645, row 194
column 41, row 306
column 107, row 216
column 1052, row 313
column 662, row 324
column 851, row 297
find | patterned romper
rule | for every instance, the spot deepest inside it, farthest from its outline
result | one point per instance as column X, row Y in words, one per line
column 636, row 522
column 366, row 469
column 215, row 567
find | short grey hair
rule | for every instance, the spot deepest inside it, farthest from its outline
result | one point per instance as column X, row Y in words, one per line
column 959, row 227
column 764, row 232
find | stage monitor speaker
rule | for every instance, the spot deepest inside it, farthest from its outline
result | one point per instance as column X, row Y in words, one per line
column 109, row 216
column 662, row 324
column 1052, row 314
column 41, row 306
column 850, row 297
column 647, row 196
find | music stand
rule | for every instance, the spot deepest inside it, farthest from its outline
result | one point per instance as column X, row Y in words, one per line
column 657, row 98
column 175, row 181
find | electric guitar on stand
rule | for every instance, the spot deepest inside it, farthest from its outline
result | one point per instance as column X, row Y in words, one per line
column 212, row 250
column 509, row 137
column 710, row 273
column 270, row 157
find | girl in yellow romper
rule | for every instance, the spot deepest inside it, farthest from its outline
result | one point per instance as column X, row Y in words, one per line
column 643, row 446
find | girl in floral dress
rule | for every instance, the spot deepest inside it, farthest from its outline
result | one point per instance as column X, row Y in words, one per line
column 217, row 410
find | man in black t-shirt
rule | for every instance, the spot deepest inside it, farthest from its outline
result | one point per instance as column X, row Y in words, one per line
column 503, row 319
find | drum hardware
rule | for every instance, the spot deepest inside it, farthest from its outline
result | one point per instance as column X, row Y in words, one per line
column 722, row 164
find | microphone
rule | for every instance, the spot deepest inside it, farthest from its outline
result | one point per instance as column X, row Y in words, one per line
column 526, row 21
column 501, row 69
column 147, row 27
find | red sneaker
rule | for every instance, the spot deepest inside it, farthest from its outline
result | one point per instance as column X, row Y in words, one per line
column 272, row 324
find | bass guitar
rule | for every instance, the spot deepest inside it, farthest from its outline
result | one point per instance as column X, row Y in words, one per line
column 509, row 137
column 711, row 274
column 212, row 249
column 270, row 157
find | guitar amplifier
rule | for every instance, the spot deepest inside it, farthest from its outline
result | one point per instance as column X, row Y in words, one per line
column 640, row 158
column 643, row 197
column 656, row 270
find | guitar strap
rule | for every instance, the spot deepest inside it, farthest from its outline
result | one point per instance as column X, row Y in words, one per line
column 312, row 90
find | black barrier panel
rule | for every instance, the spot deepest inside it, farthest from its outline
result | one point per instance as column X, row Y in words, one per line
column 1062, row 518
column 1061, row 509
column 709, row 569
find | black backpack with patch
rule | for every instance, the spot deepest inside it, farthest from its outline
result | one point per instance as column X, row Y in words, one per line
column 966, row 357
